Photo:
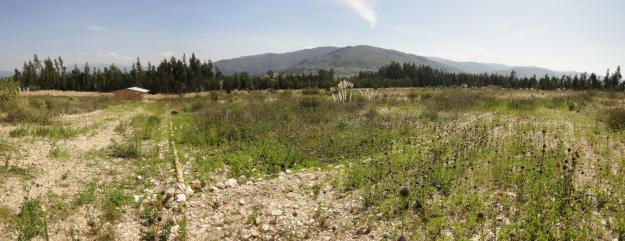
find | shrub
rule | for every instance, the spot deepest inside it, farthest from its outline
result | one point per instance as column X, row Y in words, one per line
column 412, row 96
column 130, row 149
column 58, row 152
column 31, row 220
column 18, row 132
column 55, row 132
column 426, row 96
column 309, row 103
column 114, row 199
column 146, row 127
column 616, row 119
column 522, row 104
column 86, row 196
column 311, row 91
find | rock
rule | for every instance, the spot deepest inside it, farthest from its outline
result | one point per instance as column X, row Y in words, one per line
column 184, row 188
column 196, row 185
column 231, row 183
column 175, row 229
column 276, row 212
column 241, row 180
column 220, row 185
column 242, row 202
column 265, row 227
column 181, row 197
column 254, row 233
column 92, row 223
column 213, row 189
column 216, row 204
column 219, row 221
column 137, row 198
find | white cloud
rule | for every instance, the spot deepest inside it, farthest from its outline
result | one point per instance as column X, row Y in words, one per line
column 95, row 28
column 166, row 54
column 114, row 57
column 365, row 9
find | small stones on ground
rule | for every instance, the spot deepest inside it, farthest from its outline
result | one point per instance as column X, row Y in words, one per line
column 196, row 185
column 184, row 188
column 265, row 227
column 241, row 180
column 181, row 197
column 137, row 198
column 276, row 212
column 231, row 183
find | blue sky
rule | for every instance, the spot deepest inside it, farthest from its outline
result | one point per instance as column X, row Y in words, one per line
column 579, row 35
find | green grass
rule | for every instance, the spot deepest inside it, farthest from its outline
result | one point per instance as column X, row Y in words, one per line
column 146, row 127
column 31, row 220
column 87, row 195
column 58, row 152
column 130, row 149
column 470, row 157
column 6, row 215
column 463, row 171
column 114, row 198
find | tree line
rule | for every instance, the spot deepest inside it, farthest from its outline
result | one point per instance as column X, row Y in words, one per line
column 170, row 76
column 192, row 75
column 411, row 75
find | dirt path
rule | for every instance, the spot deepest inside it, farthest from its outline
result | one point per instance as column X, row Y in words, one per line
column 64, row 176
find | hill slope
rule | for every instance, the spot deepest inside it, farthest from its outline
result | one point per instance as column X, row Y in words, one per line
column 260, row 64
column 521, row 71
column 351, row 60
column 6, row 73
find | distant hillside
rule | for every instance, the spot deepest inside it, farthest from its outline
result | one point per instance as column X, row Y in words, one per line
column 521, row 71
column 6, row 73
column 260, row 64
column 351, row 60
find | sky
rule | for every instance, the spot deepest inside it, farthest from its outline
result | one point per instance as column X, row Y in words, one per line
column 565, row 35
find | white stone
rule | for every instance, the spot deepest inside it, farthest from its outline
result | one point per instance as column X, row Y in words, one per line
column 265, row 227
column 241, row 180
column 231, row 183
column 181, row 197
column 276, row 212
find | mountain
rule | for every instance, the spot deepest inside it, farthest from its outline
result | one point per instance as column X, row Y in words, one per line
column 260, row 64
column 351, row 60
column 6, row 73
column 521, row 71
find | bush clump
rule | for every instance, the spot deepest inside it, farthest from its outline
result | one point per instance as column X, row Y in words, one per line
column 31, row 220
column 616, row 119
column 309, row 103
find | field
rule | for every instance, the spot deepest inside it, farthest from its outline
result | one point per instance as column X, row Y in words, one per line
column 423, row 164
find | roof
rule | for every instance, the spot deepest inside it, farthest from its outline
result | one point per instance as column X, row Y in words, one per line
column 138, row 89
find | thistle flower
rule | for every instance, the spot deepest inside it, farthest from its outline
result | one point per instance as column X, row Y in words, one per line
column 404, row 191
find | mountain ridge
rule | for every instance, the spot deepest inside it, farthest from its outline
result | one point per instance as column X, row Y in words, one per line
column 350, row 60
